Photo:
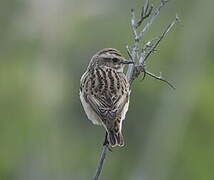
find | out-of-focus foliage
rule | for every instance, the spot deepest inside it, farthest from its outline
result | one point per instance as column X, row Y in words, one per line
column 44, row 134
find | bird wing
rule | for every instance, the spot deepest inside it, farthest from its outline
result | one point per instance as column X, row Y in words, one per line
column 108, row 106
column 104, row 106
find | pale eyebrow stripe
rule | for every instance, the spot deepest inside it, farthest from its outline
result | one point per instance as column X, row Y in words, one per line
column 112, row 51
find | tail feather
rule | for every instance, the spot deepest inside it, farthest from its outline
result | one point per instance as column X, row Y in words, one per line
column 115, row 138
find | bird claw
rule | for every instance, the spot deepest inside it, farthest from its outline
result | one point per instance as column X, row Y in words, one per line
column 110, row 149
column 106, row 143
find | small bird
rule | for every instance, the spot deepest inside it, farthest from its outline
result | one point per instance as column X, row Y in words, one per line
column 104, row 93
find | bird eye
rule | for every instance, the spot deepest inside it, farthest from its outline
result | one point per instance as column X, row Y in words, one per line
column 115, row 60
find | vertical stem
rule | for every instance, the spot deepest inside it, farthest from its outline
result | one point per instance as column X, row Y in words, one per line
column 101, row 161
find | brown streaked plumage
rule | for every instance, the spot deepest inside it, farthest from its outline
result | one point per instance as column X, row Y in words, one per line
column 104, row 93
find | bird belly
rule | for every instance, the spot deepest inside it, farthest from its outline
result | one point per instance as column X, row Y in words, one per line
column 123, row 113
column 89, row 111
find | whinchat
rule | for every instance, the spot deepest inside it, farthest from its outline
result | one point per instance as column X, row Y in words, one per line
column 105, row 91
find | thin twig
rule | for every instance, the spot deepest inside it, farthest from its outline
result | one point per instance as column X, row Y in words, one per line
column 135, row 46
column 101, row 161
column 137, row 38
column 147, row 50
column 169, row 27
column 145, row 13
column 159, row 78
column 144, row 55
column 128, row 51
column 154, row 16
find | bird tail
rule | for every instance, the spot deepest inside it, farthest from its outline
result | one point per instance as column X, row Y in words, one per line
column 115, row 138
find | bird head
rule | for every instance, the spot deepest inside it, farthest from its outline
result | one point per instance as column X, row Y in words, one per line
column 111, row 58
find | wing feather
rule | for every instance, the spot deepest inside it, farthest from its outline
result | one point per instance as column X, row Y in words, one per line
column 107, row 107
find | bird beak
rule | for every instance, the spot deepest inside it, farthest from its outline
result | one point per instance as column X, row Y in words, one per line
column 124, row 61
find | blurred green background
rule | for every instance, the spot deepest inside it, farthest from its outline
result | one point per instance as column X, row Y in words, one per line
column 45, row 46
